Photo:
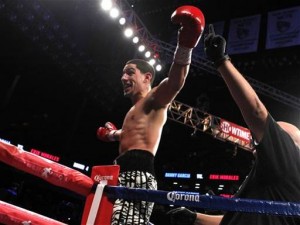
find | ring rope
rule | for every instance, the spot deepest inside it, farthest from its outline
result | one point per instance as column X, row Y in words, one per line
column 203, row 201
column 73, row 180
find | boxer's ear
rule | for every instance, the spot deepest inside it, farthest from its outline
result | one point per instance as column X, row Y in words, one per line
column 148, row 77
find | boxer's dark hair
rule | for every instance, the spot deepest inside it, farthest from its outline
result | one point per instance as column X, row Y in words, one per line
column 144, row 67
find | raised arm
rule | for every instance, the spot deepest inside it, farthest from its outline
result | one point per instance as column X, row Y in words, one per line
column 192, row 23
column 253, row 110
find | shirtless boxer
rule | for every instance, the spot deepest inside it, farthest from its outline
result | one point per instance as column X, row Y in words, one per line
column 142, row 127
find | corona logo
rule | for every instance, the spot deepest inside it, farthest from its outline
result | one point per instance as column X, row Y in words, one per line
column 174, row 196
column 98, row 178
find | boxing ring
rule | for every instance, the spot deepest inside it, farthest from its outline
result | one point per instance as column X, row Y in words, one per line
column 100, row 191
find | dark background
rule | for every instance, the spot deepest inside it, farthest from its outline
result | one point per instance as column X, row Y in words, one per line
column 60, row 69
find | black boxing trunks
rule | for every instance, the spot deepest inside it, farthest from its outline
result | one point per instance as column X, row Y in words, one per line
column 136, row 171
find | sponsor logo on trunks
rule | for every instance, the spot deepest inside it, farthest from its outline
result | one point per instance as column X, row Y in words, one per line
column 98, row 178
column 176, row 196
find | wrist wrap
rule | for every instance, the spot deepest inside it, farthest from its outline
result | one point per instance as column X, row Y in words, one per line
column 183, row 55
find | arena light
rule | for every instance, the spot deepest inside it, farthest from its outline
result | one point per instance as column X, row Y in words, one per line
column 142, row 48
column 135, row 40
column 128, row 32
column 106, row 5
column 122, row 21
column 147, row 54
column 152, row 62
column 114, row 13
column 158, row 67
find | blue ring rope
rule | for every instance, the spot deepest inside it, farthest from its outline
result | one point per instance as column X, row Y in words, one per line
column 203, row 201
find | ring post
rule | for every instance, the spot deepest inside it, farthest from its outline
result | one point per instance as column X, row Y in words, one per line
column 100, row 174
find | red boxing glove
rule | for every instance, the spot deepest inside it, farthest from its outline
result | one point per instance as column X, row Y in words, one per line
column 192, row 24
column 107, row 133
